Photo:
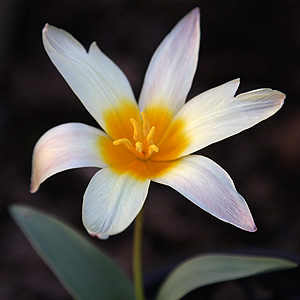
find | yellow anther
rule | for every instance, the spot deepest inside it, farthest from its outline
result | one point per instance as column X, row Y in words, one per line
column 146, row 126
column 136, row 129
column 121, row 142
column 139, row 147
column 150, row 136
column 152, row 149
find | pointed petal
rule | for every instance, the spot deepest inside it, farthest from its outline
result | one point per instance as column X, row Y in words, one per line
column 64, row 147
column 216, row 114
column 112, row 201
column 208, row 186
column 173, row 65
column 94, row 78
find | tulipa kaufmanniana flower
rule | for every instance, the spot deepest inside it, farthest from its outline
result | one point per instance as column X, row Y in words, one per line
column 152, row 140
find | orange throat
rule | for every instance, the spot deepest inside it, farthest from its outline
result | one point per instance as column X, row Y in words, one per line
column 143, row 138
column 143, row 150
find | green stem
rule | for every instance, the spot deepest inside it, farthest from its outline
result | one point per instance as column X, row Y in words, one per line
column 137, row 256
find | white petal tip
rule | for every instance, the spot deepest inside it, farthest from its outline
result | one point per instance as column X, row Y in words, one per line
column 283, row 96
column 33, row 188
column 246, row 223
column 100, row 236
column 253, row 229
column 277, row 95
column 196, row 11
column 250, row 227
column 46, row 27
column 194, row 15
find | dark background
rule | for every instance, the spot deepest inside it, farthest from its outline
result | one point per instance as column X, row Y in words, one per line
column 258, row 41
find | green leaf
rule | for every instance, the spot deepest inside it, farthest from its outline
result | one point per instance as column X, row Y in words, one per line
column 208, row 269
column 85, row 271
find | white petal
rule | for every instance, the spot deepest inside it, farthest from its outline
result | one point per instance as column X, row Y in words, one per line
column 94, row 78
column 173, row 65
column 216, row 114
column 208, row 186
column 112, row 201
column 64, row 147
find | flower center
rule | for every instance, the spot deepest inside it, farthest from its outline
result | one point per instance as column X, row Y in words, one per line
column 143, row 139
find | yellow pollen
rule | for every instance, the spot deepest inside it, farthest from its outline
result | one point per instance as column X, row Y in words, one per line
column 136, row 129
column 139, row 147
column 150, row 136
column 123, row 142
column 143, row 139
column 152, row 149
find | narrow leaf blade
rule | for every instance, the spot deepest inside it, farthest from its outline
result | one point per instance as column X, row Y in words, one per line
column 85, row 271
column 208, row 269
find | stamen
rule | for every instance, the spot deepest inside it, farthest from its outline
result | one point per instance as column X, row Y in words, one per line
column 146, row 125
column 142, row 151
column 136, row 129
column 121, row 142
column 150, row 135
column 152, row 149
column 139, row 147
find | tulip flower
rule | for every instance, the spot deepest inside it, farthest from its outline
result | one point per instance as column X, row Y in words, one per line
column 153, row 140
